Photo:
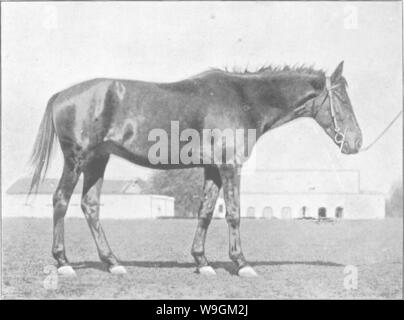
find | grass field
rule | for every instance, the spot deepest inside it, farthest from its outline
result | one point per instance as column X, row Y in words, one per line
column 294, row 259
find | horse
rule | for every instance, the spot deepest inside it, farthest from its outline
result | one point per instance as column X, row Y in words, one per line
column 104, row 116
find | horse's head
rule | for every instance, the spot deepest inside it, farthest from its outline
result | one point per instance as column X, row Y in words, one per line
column 333, row 111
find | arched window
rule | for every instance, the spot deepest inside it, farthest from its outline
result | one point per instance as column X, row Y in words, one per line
column 286, row 213
column 322, row 212
column 267, row 213
column 339, row 212
column 250, row 212
column 304, row 212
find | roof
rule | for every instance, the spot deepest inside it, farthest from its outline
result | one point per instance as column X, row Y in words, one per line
column 48, row 186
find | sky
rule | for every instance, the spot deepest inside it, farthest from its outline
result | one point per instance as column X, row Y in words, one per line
column 47, row 47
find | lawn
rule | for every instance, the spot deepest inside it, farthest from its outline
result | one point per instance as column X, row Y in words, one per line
column 294, row 259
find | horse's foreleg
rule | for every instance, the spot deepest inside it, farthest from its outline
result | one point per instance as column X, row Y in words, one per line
column 211, row 190
column 231, row 191
column 61, row 199
column 90, row 204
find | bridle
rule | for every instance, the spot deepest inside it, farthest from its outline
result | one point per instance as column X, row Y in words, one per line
column 339, row 136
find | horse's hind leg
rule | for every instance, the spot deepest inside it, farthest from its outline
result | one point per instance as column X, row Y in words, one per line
column 61, row 199
column 90, row 204
column 211, row 190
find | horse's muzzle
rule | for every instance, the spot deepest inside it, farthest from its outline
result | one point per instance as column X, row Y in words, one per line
column 353, row 148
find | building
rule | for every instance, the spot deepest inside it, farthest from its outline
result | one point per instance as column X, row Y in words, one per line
column 120, row 199
column 286, row 194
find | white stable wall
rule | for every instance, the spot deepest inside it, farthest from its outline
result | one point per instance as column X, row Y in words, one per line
column 125, row 206
column 287, row 206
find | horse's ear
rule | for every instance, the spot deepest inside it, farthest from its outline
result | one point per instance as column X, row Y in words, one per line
column 338, row 72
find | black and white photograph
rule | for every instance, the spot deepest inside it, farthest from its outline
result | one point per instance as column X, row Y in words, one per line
column 201, row 150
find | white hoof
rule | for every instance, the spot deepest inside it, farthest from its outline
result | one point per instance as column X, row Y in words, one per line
column 207, row 271
column 247, row 272
column 66, row 271
column 117, row 270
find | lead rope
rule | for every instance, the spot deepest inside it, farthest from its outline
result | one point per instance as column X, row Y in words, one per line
column 382, row 133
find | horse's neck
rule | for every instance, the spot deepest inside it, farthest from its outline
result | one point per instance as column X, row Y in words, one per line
column 269, row 115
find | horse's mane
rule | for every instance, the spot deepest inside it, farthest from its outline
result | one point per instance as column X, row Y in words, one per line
column 301, row 69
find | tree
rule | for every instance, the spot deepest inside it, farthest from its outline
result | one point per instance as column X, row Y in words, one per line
column 394, row 204
column 185, row 185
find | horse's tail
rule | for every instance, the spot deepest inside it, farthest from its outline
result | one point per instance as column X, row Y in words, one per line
column 42, row 151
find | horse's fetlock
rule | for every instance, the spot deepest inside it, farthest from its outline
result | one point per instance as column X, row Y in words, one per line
column 108, row 259
column 60, row 256
column 237, row 256
column 197, row 252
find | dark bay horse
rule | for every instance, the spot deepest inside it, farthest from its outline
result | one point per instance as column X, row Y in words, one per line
column 100, row 117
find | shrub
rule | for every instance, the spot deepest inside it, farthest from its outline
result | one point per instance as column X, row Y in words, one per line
column 185, row 185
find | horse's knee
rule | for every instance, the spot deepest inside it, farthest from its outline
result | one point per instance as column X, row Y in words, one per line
column 233, row 213
column 205, row 218
column 233, row 219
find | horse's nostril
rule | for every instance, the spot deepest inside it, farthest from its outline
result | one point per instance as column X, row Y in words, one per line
column 358, row 144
